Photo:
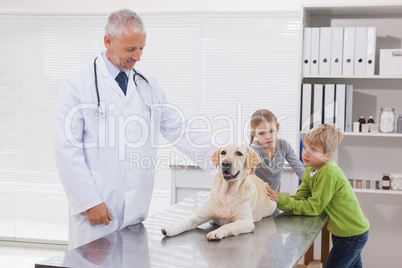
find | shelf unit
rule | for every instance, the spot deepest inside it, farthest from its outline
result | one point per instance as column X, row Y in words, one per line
column 365, row 156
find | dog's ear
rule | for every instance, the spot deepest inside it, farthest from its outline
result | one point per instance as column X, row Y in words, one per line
column 252, row 159
column 215, row 158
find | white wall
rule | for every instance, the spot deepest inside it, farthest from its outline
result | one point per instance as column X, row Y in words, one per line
column 105, row 6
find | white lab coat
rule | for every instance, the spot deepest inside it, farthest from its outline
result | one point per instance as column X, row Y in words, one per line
column 93, row 152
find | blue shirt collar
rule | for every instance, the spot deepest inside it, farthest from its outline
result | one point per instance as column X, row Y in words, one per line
column 113, row 70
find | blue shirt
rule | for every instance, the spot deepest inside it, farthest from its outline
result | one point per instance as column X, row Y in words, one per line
column 271, row 171
column 113, row 70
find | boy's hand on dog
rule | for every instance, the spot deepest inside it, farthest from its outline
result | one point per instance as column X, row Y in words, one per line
column 273, row 195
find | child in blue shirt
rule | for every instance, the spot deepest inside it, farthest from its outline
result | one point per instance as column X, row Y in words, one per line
column 272, row 151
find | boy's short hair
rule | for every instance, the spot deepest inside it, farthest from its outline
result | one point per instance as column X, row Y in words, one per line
column 325, row 136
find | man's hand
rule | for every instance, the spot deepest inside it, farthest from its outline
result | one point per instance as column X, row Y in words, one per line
column 99, row 214
column 273, row 195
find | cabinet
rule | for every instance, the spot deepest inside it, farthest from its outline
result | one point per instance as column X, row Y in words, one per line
column 367, row 156
column 188, row 180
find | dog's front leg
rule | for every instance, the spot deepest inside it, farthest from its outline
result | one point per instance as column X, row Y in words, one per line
column 240, row 226
column 201, row 216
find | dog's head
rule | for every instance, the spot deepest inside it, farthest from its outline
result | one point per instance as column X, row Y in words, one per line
column 235, row 162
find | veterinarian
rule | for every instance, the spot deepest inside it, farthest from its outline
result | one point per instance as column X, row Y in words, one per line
column 272, row 151
column 326, row 188
column 106, row 112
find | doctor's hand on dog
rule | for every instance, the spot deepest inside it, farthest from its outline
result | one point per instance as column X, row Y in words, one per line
column 273, row 195
column 99, row 214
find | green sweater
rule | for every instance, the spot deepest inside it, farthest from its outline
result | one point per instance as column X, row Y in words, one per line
column 328, row 190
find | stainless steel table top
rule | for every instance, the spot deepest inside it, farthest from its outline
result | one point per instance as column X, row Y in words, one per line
column 278, row 241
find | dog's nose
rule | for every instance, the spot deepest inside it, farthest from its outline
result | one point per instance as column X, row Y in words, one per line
column 226, row 163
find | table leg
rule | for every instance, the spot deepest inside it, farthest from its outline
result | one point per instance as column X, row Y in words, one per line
column 325, row 238
column 309, row 256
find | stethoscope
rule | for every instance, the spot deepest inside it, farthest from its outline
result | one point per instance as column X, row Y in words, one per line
column 100, row 111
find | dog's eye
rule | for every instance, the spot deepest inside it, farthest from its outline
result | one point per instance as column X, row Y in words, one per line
column 239, row 153
column 223, row 152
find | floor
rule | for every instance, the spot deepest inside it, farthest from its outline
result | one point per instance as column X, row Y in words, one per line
column 24, row 256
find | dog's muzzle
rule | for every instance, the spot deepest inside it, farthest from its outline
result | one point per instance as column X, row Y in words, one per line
column 228, row 176
column 226, row 165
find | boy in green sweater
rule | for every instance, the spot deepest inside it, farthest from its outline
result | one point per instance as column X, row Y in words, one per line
column 326, row 188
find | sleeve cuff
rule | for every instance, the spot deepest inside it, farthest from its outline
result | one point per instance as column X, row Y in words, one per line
column 84, row 208
column 282, row 198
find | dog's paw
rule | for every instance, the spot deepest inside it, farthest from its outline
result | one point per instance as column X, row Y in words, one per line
column 215, row 235
column 172, row 230
column 164, row 232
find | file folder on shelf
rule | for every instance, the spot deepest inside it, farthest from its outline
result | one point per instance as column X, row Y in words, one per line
column 360, row 51
column 390, row 62
column 349, row 108
column 317, row 104
column 329, row 104
column 340, row 97
column 348, row 51
column 306, row 51
column 336, row 51
column 306, row 105
column 325, row 51
column 371, row 45
column 315, row 50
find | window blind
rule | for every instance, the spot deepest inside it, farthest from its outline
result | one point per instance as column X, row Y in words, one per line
column 223, row 66
column 250, row 61
column 172, row 55
column 37, row 52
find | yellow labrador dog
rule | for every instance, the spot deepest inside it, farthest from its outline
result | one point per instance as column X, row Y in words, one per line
column 237, row 198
